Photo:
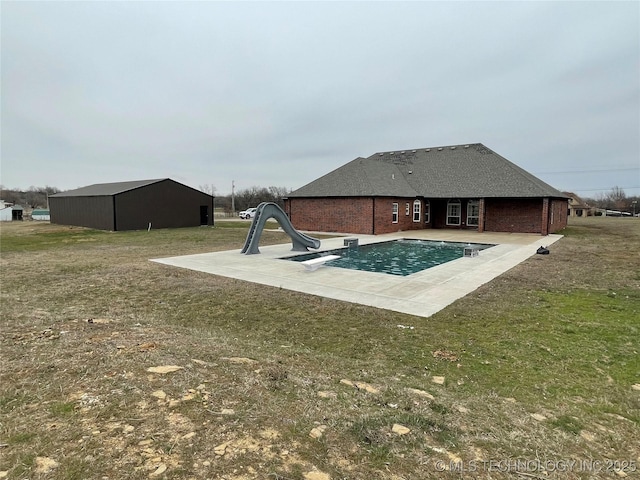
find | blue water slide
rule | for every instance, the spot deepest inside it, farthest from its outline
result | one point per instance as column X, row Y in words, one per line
column 265, row 211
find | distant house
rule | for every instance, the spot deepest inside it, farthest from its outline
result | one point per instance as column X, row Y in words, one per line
column 577, row 206
column 450, row 187
column 6, row 211
column 40, row 214
column 134, row 205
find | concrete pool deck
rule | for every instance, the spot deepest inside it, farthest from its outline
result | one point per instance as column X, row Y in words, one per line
column 422, row 294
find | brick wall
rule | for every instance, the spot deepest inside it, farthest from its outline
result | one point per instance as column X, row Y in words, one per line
column 354, row 215
column 522, row 215
column 558, row 210
column 384, row 218
column 344, row 215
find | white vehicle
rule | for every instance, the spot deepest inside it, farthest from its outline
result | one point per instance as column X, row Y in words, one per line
column 248, row 213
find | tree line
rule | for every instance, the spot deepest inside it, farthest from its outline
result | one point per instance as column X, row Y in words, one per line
column 37, row 197
column 33, row 197
column 247, row 198
column 615, row 199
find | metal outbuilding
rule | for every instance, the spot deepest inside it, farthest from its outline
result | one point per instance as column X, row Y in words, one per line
column 135, row 205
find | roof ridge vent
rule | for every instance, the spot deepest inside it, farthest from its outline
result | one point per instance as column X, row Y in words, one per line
column 453, row 148
column 413, row 151
column 440, row 149
column 381, row 154
column 402, row 153
column 428, row 150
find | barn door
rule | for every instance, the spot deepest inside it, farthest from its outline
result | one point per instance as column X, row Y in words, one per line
column 204, row 215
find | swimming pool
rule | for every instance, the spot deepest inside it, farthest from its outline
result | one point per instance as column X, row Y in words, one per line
column 397, row 257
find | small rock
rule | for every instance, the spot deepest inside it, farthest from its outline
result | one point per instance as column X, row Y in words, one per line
column 159, row 394
column 45, row 464
column 538, row 417
column 174, row 403
column 636, row 386
column 206, row 463
column 318, row 431
column 227, row 411
column 4, row 473
column 316, row 475
column 360, row 386
column 159, row 471
column 620, row 473
column 420, row 393
column 162, row 369
column 590, row 437
column 187, row 397
column 399, row 429
column 366, row 387
column 327, row 394
column 189, row 435
column 438, row 380
column 453, row 458
column 144, row 443
column 462, row 409
column 128, row 429
column 98, row 320
column 220, row 449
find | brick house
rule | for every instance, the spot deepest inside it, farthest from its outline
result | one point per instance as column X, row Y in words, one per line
column 454, row 187
column 577, row 206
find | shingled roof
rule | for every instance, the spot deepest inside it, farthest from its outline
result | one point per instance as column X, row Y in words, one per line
column 106, row 189
column 465, row 171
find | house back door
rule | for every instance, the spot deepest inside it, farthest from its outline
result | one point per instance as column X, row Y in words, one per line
column 204, row 215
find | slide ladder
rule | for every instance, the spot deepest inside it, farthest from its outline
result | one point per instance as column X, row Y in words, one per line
column 265, row 211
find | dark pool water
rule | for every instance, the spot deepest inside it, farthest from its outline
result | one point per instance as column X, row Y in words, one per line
column 397, row 257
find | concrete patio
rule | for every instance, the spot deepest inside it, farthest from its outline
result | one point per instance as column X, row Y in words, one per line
column 422, row 294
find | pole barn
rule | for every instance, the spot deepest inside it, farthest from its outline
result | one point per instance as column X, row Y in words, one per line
column 135, row 205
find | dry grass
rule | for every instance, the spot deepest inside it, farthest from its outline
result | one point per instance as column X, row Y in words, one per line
column 538, row 364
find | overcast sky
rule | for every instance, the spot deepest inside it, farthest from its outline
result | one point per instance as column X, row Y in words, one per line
column 280, row 93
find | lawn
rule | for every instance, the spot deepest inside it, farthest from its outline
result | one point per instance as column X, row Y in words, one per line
column 115, row 367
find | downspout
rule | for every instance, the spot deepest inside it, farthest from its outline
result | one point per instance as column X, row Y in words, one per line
column 115, row 228
column 373, row 209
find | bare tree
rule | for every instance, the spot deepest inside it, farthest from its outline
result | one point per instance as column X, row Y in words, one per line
column 617, row 198
column 208, row 188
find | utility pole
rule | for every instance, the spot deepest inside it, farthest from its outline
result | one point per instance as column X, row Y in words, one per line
column 233, row 198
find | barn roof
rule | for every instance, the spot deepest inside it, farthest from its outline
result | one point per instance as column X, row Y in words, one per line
column 466, row 171
column 106, row 189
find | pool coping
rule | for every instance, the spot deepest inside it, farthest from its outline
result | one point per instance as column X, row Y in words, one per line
column 422, row 293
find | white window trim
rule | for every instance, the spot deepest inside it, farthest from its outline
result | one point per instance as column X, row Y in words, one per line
column 417, row 211
column 394, row 213
column 451, row 203
column 406, row 209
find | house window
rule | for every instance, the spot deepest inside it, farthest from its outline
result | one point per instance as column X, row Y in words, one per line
column 426, row 212
column 406, row 209
column 416, row 210
column 453, row 212
column 473, row 212
column 394, row 213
